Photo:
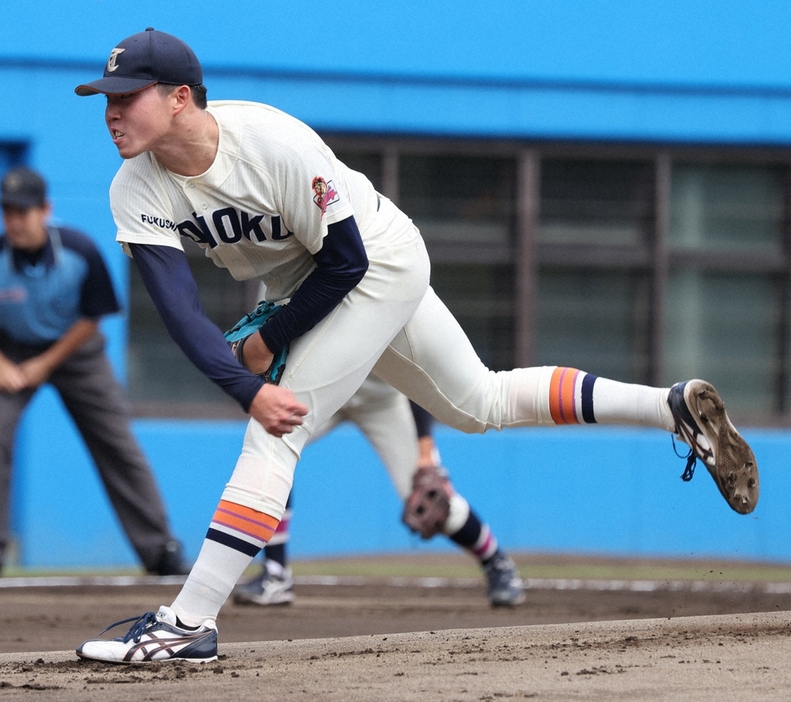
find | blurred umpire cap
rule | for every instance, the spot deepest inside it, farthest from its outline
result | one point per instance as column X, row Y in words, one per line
column 144, row 59
column 23, row 188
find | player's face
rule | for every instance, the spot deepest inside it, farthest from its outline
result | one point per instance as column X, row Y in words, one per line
column 138, row 122
column 26, row 229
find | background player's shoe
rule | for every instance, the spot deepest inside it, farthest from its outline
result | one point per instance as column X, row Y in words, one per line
column 155, row 637
column 703, row 424
column 275, row 586
column 505, row 586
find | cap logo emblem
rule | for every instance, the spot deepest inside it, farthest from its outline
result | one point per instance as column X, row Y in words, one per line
column 111, row 62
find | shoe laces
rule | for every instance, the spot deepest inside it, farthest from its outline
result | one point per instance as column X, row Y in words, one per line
column 689, row 470
column 688, row 431
column 137, row 629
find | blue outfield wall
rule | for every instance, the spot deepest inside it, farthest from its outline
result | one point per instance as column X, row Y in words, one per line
column 570, row 489
column 671, row 71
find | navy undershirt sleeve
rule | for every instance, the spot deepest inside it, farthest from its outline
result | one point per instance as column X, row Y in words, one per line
column 341, row 263
column 424, row 422
column 167, row 276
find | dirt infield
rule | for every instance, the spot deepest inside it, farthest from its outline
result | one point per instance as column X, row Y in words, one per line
column 417, row 639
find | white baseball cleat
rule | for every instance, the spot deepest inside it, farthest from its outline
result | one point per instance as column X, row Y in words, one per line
column 505, row 588
column 703, row 424
column 269, row 588
column 154, row 637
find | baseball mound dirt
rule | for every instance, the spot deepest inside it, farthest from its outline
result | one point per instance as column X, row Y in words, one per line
column 417, row 639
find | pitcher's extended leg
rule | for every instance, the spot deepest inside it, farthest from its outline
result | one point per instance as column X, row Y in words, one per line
column 433, row 362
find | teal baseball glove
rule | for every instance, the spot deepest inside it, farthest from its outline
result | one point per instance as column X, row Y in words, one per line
column 250, row 324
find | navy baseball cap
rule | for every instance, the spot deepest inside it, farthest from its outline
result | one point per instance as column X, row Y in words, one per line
column 23, row 188
column 144, row 59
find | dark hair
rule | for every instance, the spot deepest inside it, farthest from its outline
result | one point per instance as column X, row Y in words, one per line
column 198, row 93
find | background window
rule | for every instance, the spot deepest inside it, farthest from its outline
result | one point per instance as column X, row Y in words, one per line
column 595, row 202
column 367, row 162
column 592, row 308
column 482, row 300
column 593, row 320
column 726, row 207
column 465, row 210
column 459, row 200
column 721, row 327
column 723, row 320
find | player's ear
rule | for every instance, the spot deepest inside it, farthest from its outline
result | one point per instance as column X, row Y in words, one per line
column 181, row 97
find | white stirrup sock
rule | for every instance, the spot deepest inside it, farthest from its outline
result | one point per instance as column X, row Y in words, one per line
column 625, row 403
column 210, row 583
column 552, row 395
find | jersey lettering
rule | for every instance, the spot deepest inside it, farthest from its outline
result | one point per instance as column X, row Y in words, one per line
column 230, row 226
column 220, row 217
column 197, row 231
column 160, row 222
column 251, row 227
column 276, row 230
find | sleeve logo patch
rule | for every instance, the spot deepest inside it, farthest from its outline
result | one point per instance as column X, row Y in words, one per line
column 325, row 193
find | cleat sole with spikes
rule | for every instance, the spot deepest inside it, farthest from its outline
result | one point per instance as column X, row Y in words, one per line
column 727, row 456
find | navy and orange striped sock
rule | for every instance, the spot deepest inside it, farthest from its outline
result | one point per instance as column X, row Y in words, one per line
column 241, row 528
column 571, row 396
column 236, row 535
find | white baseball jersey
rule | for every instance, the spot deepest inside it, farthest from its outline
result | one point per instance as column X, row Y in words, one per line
column 263, row 207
